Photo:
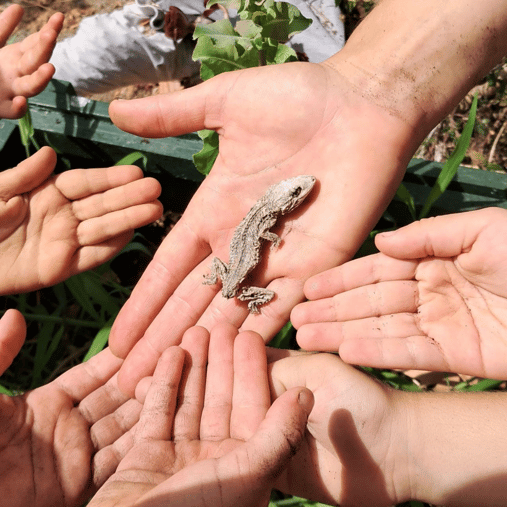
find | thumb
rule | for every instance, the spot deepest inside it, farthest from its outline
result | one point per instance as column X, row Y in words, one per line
column 12, row 337
column 28, row 174
column 441, row 236
column 280, row 434
column 172, row 114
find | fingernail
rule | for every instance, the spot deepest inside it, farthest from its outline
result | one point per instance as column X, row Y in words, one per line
column 386, row 234
column 305, row 399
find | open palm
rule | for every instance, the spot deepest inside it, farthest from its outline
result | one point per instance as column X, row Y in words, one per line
column 434, row 298
column 52, row 227
column 57, row 442
column 24, row 69
column 325, row 124
column 193, row 444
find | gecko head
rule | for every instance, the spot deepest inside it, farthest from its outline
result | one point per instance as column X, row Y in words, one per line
column 289, row 194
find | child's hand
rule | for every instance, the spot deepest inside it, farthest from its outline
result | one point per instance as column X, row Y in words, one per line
column 60, row 442
column 355, row 446
column 435, row 298
column 24, row 67
column 52, row 227
column 12, row 337
column 207, row 435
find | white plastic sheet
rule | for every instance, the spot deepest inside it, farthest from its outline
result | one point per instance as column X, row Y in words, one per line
column 113, row 50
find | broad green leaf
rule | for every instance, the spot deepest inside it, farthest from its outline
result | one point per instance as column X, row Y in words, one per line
column 451, row 166
column 223, row 53
column 279, row 20
column 205, row 158
column 247, row 28
column 273, row 52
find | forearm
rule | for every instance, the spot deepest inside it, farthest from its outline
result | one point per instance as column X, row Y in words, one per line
column 418, row 58
column 458, row 448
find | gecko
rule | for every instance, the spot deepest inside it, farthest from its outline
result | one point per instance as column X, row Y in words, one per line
column 246, row 243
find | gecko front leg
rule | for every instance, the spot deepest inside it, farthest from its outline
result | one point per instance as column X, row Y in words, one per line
column 218, row 269
column 271, row 236
column 255, row 296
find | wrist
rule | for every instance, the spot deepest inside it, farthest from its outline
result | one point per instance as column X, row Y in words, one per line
column 418, row 59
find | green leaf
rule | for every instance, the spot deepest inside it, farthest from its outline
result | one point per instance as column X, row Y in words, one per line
column 284, row 337
column 205, row 158
column 451, row 165
column 221, row 49
column 100, row 341
column 27, row 132
column 132, row 158
column 404, row 195
column 485, row 384
column 280, row 20
column 4, row 390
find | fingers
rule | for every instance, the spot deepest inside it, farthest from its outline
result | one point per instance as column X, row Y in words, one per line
column 110, row 201
column 356, row 273
column 251, row 396
column 9, row 19
column 28, row 174
column 330, row 336
column 191, row 396
column 12, row 337
column 37, row 48
column 442, row 236
column 281, row 432
column 84, row 379
column 98, row 230
column 159, row 296
column 33, row 83
column 171, row 114
column 383, row 298
column 79, row 184
column 393, row 341
column 157, row 417
column 216, row 413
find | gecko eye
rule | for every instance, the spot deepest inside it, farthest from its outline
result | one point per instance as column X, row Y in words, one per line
column 296, row 192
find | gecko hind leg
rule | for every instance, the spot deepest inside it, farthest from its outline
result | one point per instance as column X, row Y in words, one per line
column 255, row 296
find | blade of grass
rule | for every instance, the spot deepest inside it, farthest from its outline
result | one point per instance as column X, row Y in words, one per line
column 404, row 196
column 451, row 165
column 132, row 158
column 100, row 341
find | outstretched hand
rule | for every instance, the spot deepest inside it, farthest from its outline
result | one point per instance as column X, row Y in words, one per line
column 207, row 431
column 357, row 447
column 52, row 227
column 60, row 442
column 24, row 67
column 434, row 298
column 274, row 122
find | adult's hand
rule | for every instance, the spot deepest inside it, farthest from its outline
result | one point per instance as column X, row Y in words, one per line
column 353, row 122
column 309, row 134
